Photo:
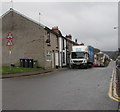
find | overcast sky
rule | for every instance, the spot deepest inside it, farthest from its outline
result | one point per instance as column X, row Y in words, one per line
column 90, row 22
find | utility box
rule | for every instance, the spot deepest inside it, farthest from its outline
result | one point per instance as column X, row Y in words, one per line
column 30, row 61
column 35, row 64
column 22, row 62
column 26, row 63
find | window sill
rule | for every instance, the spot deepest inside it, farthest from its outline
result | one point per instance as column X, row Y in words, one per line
column 48, row 44
column 48, row 60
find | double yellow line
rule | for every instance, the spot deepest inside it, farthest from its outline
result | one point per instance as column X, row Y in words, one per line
column 113, row 88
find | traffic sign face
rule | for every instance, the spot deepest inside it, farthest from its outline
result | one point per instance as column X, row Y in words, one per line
column 10, row 43
column 9, row 36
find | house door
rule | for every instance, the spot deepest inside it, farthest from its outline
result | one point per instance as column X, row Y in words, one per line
column 56, row 59
column 53, row 63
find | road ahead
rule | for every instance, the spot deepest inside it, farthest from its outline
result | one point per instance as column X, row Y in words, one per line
column 74, row 89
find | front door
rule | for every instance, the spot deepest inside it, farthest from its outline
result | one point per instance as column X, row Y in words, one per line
column 53, row 64
column 56, row 59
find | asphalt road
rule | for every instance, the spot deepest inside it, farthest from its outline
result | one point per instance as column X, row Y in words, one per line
column 74, row 89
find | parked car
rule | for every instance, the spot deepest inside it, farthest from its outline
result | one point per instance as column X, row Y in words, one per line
column 95, row 64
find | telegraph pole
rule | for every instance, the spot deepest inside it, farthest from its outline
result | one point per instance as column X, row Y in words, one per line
column 10, row 52
column 39, row 17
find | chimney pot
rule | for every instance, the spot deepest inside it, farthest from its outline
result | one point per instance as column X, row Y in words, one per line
column 69, row 36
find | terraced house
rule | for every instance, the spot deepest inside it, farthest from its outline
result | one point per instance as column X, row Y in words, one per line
column 32, row 40
column 65, row 47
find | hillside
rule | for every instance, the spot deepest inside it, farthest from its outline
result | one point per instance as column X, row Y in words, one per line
column 113, row 54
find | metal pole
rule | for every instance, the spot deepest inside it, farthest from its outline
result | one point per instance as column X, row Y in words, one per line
column 39, row 17
column 10, row 52
column 12, row 4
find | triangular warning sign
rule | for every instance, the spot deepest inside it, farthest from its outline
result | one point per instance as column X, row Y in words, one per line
column 9, row 36
column 10, row 43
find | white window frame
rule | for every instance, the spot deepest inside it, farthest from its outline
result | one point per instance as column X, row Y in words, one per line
column 48, row 54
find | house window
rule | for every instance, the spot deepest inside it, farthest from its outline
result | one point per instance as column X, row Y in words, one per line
column 63, row 44
column 57, row 46
column 63, row 57
column 67, row 46
column 48, row 56
column 48, row 38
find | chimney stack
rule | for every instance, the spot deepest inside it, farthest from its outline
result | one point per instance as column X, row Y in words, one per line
column 55, row 29
column 76, row 40
column 69, row 37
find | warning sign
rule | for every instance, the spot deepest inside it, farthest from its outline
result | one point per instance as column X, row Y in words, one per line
column 9, row 36
column 10, row 43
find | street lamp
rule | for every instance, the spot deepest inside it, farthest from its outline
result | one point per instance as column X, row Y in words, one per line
column 116, row 27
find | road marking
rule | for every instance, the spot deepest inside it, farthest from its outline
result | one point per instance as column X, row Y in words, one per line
column 112, row 91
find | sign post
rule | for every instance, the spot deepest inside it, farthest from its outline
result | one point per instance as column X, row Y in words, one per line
column 9, row 44
column 10, row 52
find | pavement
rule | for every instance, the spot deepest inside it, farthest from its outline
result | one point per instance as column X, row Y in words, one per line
column 39, row 72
